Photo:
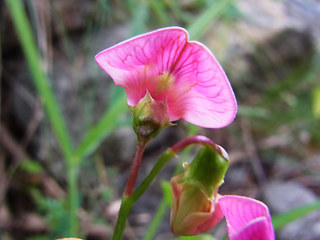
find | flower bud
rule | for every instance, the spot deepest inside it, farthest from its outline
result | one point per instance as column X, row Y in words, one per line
column 149, row 117
column 195, row 207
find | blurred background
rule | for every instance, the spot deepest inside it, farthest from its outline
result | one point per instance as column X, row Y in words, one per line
column 270, row 52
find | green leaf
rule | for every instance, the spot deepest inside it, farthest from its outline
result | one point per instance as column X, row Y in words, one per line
column 40, row 79
column 198, row 237
column 206, row 237
column 280, row 220
column 116, row 93
column 158, row 8
column 31, row 166
column 166, row 191
column 189, row 237
column 316, row 102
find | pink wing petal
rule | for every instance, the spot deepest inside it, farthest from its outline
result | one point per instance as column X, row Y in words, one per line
column 207, row 99
column 246, row 216
column 136, row 64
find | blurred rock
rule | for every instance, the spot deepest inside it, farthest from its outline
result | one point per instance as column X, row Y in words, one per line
column 271, row 61
column 238, row 176
column 285, row 196
column 275, row 58
column 264, row 46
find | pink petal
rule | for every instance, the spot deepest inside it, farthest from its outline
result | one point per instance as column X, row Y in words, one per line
column 192, row 214
column 246, row 217
column 198, row 90
column 255, row 230
column 136, row 64
column 209, row 101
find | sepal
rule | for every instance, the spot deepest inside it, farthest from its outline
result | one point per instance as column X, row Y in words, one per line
column 149, row 117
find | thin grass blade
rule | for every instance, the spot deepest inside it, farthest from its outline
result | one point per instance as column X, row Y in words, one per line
column 40, row 79
column 200, row 25
column 280, row 220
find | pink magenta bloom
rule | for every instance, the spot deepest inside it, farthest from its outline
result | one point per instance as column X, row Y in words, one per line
column 192, row 213
column 183, row 73
column 246, row 218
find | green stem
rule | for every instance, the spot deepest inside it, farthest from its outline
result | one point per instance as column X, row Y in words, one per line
column 40, row 79
column 72, row 174
column 129, row 200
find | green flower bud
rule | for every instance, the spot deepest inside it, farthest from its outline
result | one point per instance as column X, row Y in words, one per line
column 195, row 207
column 149, row 117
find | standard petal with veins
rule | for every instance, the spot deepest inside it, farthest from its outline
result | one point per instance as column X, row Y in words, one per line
column 168, row 66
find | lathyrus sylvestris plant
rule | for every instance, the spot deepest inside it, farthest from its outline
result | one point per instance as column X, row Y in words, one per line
column 166, row 78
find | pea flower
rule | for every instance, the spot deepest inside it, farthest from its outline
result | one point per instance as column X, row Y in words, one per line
column 180, row 73
column 197, row 207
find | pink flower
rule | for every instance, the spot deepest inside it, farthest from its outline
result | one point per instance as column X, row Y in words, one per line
column 193, row 213
column 183, row 73
column 197, row 206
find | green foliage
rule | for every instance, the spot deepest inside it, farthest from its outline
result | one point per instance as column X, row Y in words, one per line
column 31, row 166
column 198, row 237
column 140, row 17
column 40, row 79
column 288, row 99
column 56, row 213
column 166, row 191
column 316, row 102
column 281, row 220
column 216, row 9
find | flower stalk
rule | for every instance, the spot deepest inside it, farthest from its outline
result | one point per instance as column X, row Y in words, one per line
column 129, row 200
column 130, row 197
column 135, row 168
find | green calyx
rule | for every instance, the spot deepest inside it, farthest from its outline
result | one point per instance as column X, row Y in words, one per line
column 149, row 117
column 207, row 170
